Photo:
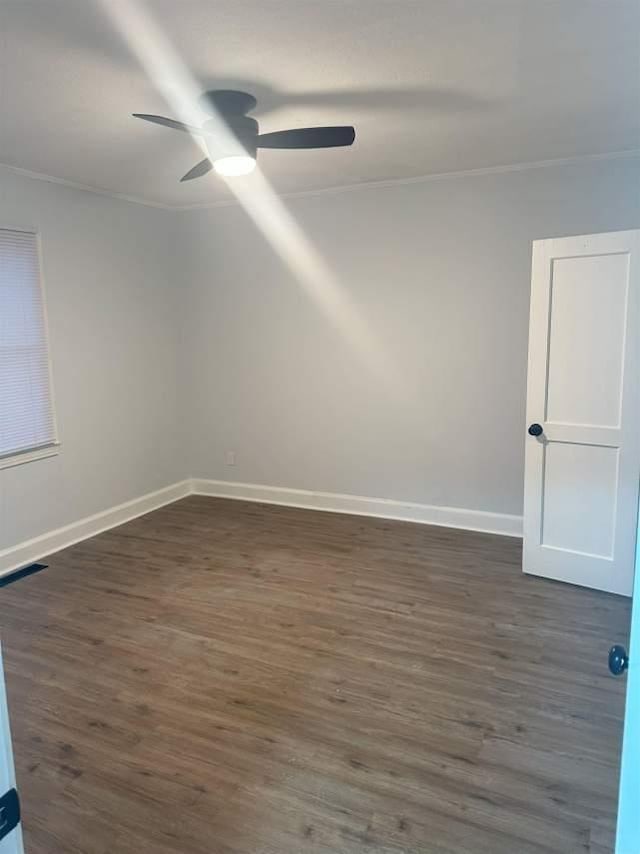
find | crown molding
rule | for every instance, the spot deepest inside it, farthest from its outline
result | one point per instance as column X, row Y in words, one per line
column 631, row 153
column 75, row 185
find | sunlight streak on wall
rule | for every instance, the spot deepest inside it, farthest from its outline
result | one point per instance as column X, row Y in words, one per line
column 311, row 271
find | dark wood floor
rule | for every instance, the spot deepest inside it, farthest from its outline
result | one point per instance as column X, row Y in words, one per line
column 228, row 678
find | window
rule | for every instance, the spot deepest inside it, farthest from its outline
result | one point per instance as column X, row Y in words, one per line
column 27, row 422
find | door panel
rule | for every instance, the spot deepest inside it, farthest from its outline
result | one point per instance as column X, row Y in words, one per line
column 580, row 481
column 586, row 340
column 582, row 473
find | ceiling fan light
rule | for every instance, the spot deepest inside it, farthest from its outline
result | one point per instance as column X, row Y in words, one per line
column 239, row 164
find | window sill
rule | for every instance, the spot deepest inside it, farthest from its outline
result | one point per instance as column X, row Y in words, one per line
column 29, row 456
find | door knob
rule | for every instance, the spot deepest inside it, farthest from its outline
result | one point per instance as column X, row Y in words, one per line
column 535, row 430
column 618, row 659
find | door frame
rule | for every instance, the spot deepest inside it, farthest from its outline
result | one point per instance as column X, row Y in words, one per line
column 13, row 843
column 628, row 819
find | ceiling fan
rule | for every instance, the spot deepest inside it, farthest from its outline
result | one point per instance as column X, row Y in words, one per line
column 237, row 154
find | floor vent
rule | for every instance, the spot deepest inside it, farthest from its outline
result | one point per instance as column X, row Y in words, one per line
column 21, row 573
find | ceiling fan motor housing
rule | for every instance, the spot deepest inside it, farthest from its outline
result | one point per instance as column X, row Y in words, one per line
column 229, row 102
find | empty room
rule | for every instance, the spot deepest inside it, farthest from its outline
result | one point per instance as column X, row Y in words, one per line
column 319, row 426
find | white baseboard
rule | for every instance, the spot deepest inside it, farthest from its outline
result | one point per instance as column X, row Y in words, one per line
column 46, row 544
column 385, row 508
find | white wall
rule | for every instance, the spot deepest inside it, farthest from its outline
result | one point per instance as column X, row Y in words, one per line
column 440, row 271
column 178, row 336
column 111, row 297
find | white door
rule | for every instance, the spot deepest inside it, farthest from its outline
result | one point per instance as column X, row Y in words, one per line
column 10, row 835
column 582, row 471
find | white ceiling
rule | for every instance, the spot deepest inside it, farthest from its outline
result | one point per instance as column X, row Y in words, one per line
column 431, row 86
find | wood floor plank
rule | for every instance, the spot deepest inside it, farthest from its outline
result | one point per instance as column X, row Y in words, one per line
column 220, row 677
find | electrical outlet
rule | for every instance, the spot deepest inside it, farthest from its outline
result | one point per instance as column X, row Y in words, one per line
column 230, row 458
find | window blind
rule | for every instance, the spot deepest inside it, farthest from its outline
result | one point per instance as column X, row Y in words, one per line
column 26, row 407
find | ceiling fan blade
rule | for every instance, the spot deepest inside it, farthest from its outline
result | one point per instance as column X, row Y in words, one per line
column 198, row 170
column 169, row 123
column 325, row 137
